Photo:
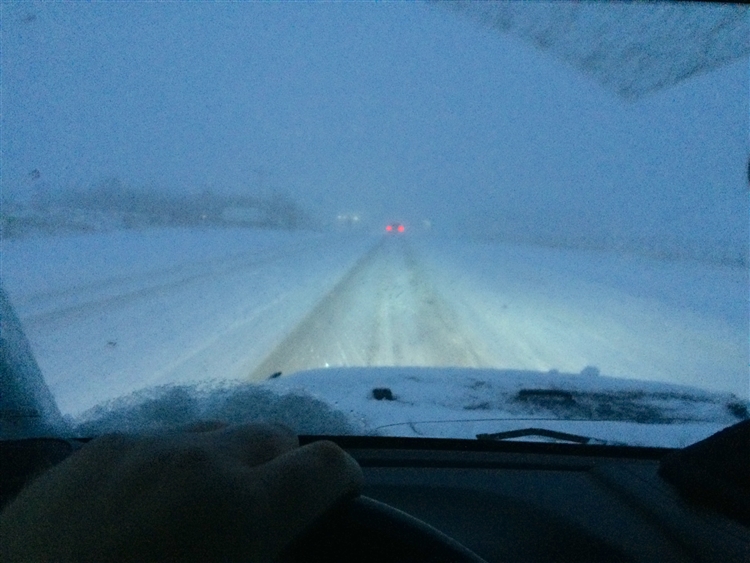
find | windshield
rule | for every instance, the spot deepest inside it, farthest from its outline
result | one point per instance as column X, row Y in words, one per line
column 418, row 219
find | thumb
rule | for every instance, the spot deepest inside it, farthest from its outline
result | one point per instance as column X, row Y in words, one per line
column 301, row 485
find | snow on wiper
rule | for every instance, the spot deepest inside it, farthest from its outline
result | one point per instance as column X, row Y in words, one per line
column 541, row 432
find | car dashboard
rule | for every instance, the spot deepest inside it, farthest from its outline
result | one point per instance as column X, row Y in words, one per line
column 504, row 501
column 547, row 502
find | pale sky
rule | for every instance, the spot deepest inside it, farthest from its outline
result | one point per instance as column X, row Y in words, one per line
column 397, row 111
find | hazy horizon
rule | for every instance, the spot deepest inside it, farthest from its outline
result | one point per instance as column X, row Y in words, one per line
column 394, row 111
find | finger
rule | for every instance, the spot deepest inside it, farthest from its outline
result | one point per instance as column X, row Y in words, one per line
column 300, row 486
column 252, row 444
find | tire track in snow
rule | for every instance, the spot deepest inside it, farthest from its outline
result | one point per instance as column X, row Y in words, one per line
column 384, row 312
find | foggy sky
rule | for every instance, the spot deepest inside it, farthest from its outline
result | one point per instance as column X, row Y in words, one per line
column 397, row 111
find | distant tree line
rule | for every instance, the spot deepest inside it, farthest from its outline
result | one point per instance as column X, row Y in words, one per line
column 206, row 207
column 113, row 204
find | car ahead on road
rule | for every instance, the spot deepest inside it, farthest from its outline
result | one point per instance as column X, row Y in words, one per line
column 460, row 462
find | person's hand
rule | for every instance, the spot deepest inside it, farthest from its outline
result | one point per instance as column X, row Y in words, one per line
column 238, row 493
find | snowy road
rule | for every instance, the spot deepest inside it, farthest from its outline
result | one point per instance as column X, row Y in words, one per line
column 422, row 302
column 111, row 313
column 385, row 312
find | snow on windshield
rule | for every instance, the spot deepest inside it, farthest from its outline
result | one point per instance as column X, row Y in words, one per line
column 195, row 198
column 629, row 49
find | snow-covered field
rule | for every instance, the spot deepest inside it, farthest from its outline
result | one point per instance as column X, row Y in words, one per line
column 111, row 314
column 631, row 316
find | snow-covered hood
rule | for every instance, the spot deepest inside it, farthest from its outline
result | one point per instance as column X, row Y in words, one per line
column 435, row 402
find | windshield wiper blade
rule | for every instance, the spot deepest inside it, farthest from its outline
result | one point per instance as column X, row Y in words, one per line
column 575, row 438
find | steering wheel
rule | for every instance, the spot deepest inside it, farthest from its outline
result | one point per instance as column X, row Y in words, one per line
column 359, row 529
column 363, row 530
